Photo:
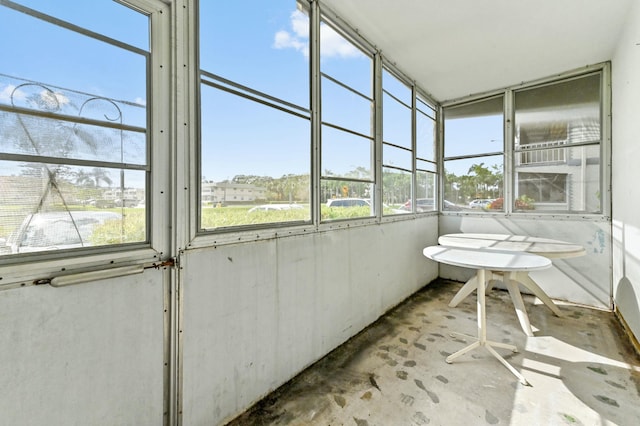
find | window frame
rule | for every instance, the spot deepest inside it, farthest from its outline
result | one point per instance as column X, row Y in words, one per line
column 198, row 235
column 360, row 44
column 20, row 270
column 398, row 147
column 477, row 155
column 318, row 13
column 509, row 173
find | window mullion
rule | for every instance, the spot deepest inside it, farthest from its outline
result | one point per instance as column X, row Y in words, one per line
column 508, row 181
column 377, row 123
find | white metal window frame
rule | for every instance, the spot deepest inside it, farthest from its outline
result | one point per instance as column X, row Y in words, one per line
column 509, row 153
column 194, row 238
column 114, row 260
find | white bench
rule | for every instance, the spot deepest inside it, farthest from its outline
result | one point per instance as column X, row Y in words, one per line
column 485, row 260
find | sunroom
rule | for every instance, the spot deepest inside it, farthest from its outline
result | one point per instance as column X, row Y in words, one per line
column 201, row 199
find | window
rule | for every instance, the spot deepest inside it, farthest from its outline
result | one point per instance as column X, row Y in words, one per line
column 74, row 139
column 426, row 168
column 255, row 118
column 557, row 146
column 473, row 155
column 397, row 144
column 257, row 146
column 347, row 141
column 541, row 188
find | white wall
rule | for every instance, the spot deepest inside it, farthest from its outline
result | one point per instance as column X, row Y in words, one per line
column 89, row 354
column 626, row 172
column 585, row 279
column 256, row 314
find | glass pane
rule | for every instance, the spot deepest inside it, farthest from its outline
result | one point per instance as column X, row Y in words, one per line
column 56, row 206
column 396, row 122
column 396, row 190
column 397, row 157
column 475, row 183
column 570, row 185
column 345, row 154
column 426, row 108
column 343, row 199
column 397, row 88
column 346, row 109
column 426, row 166
column 343, row 61
column 97, row 16
column 558, row 114
column 24, row 134
column 425, row 137
column 474, row 128
column 262, row 45
column 253, row 157
column 60, row 60
column 72, row 104
column 551, row 175
column 426, row 187
column 425, row 192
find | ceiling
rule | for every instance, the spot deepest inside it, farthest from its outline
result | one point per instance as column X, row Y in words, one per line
column 455, row 48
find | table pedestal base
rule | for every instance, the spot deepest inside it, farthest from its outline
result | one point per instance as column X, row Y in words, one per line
column 482, row 332
column 488, row 345
column 511, row 280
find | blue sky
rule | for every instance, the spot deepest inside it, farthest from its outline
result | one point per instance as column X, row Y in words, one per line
column 66, row 63
column 274, row 59
column 263, row 45
column 35, row 50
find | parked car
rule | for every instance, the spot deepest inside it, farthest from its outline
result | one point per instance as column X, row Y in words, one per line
column 449, row 206
column 55, row 231
column 126, row 202
column 347, row 202
column 275, row 207
column 104, row 204
column 427, row 205
column 480, row 203
column 422, row 205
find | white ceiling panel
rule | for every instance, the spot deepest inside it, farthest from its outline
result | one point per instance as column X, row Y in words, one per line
column 455, row 48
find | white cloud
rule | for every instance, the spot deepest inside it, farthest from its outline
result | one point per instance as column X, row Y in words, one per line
column 53, row 99
column 140, row 101
column 298, row 39
column 49, row 99
column 300, row 24
column 5, row 94
column 333, row 45
column 284, row 40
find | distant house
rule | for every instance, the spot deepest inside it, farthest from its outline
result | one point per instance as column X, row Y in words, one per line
column 231, row 193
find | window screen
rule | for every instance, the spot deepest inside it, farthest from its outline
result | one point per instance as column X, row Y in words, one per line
column 73, row 127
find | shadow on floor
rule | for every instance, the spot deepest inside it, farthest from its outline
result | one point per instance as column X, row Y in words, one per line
column 581, row 368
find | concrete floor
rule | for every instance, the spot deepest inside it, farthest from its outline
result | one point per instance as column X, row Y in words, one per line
column 581, row 368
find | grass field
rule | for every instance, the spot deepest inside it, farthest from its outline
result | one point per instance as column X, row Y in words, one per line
column 133, row 226
column 220, row 217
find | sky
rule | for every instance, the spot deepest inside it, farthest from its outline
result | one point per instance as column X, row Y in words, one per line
column 259, row 44
column 64, row 69
column 242, row 138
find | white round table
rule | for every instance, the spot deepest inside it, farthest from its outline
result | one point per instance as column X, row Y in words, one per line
column 552, row 249
column 483, row 260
